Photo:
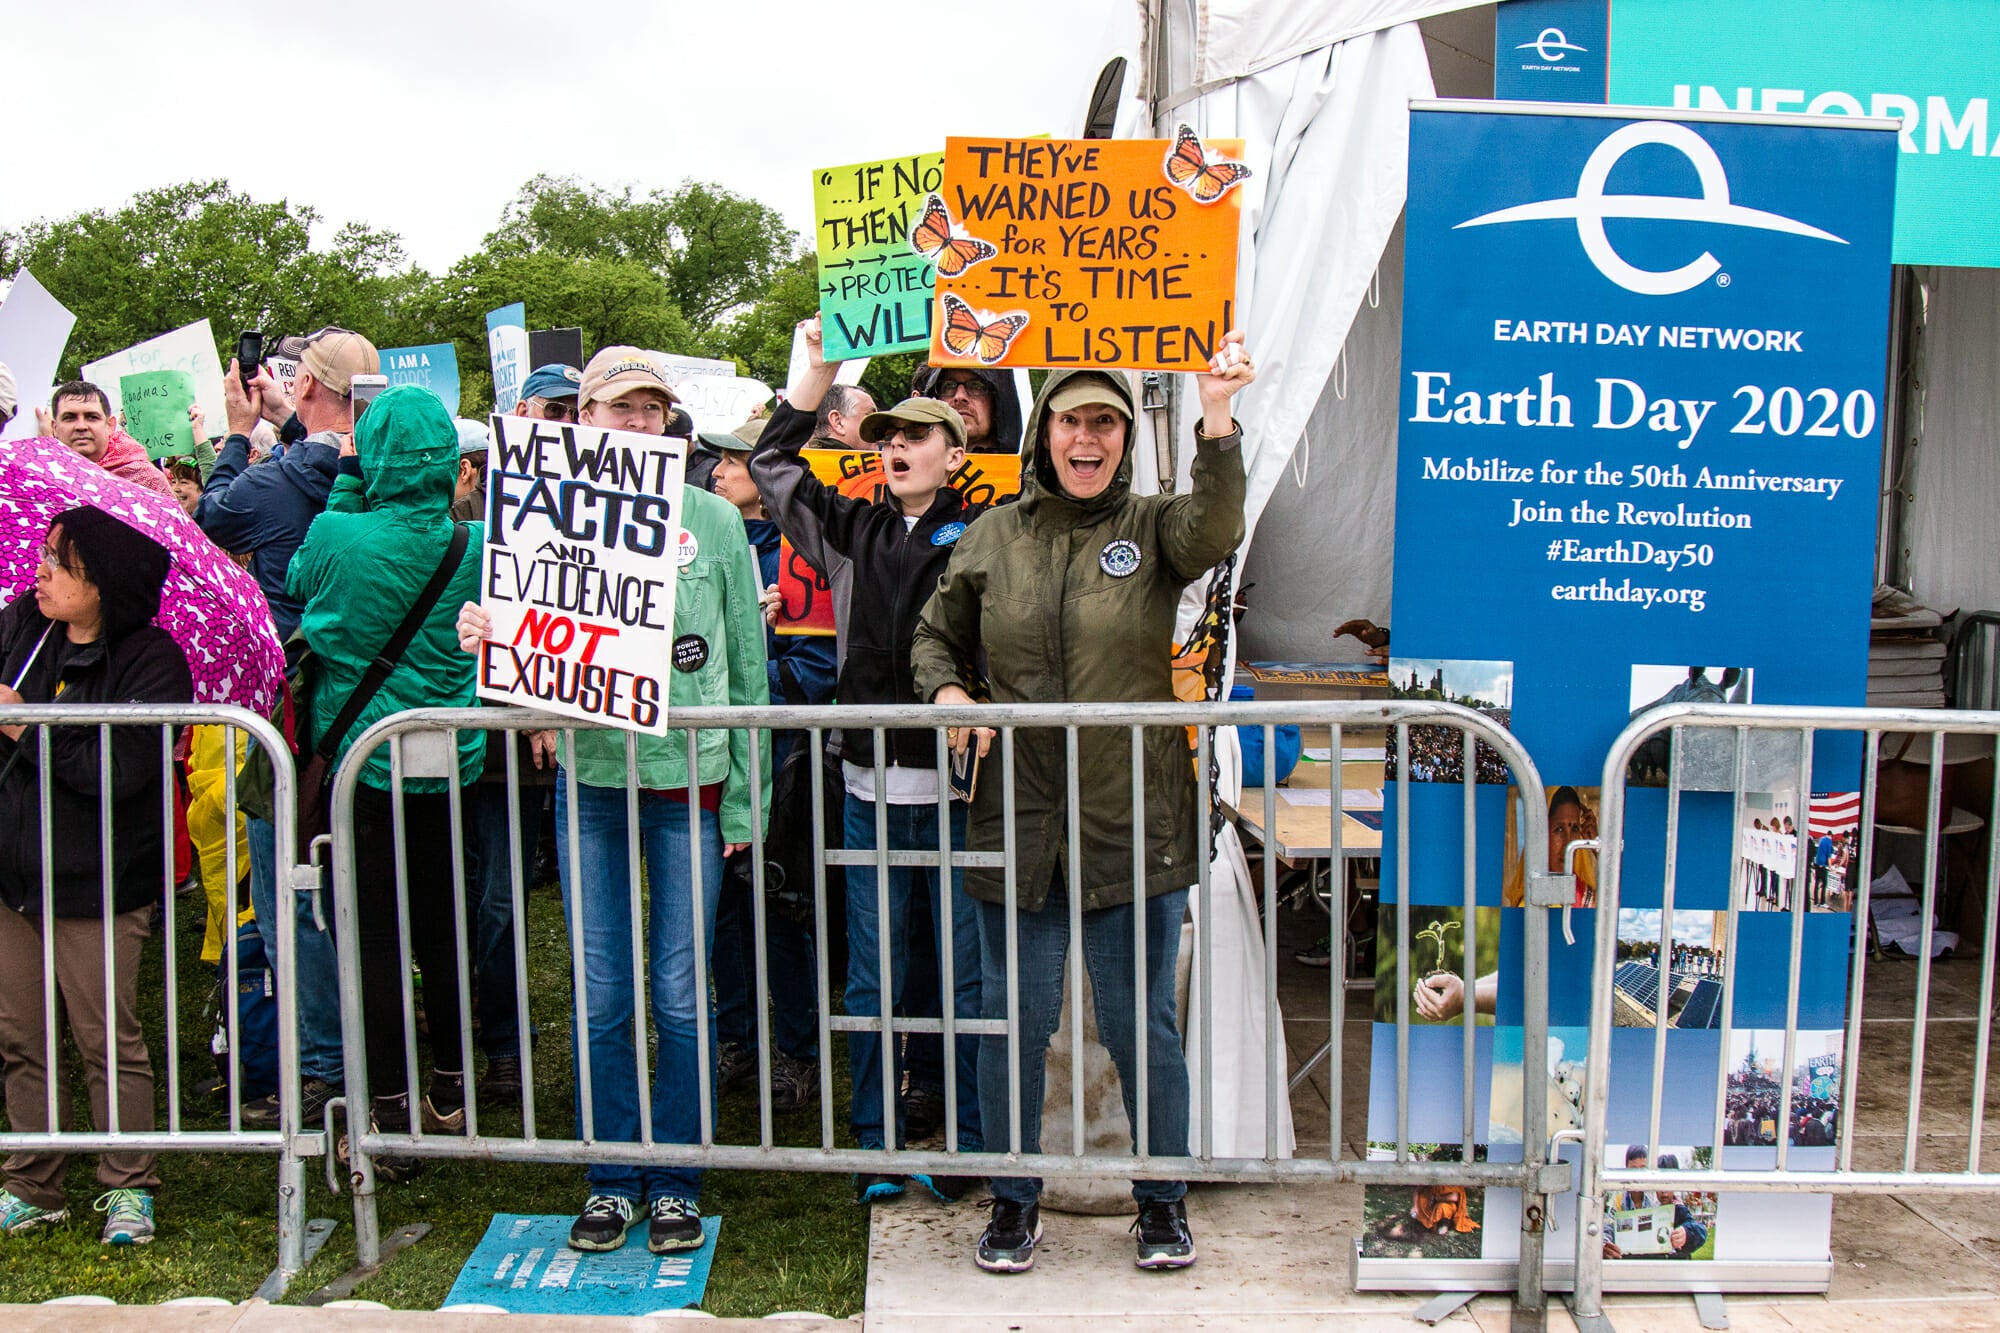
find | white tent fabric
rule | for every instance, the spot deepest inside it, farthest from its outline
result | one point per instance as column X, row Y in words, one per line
column 1238, row 38
column 1954, row 543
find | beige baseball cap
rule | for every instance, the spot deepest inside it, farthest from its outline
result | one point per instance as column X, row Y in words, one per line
column 617, row 371
column 1087, row 390
column 335, row 356
column 914, row 412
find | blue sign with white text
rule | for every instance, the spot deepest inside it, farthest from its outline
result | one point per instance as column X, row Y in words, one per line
column 434, row 367
column 1551, row 50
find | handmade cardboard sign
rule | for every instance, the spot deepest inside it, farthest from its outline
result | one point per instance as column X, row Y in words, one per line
column 1084, row 252
column 190, row 348
column 582, row 526
column 805, row 603
column 875, row 259
column 156, row 410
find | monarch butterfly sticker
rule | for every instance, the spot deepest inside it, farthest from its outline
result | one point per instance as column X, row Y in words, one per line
column 967, row 334
column 944, row 244
column 1188, row 167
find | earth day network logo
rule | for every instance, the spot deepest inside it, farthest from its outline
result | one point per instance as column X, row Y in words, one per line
column 1552, row 45
column 1591, row 206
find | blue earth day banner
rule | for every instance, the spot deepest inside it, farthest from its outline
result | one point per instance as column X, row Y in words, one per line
column 1641, row 429
column 433, row 367
column 1551, row 50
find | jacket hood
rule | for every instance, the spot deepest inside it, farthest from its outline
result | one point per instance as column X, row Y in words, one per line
column 122, row 451
column 128, row 567
column 1038, row 476
column 408, row 448
column 1006, row 403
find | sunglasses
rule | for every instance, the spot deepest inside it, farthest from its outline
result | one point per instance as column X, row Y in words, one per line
column 556, row 409
column 908, row 435
column 970, row 388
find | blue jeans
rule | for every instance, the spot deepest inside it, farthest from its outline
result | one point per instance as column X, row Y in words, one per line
column 600, row 887
column 911, row 828
column 790, row 966
column 1043, row 941
column 489, row 907
column 315, row 979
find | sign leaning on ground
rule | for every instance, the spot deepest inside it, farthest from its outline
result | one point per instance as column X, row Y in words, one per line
column 1075, row 253
column 582, row 530
column 1640, row 420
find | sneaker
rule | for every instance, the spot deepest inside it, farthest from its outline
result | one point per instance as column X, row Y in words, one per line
column 794, row 1082
column 735, row 1065
column 128, row 1217
column 872, row 1188
column 1320, row 955
column 923, row 1111
column 18, row 1215
column 444, row 1104
column 391, row 1116
column 675, row 1226
column 1164, row 1239
column 603, row 1223
column 1008, row 1243
column 314, row 1094
column 949, row 1189
column 502, row 1083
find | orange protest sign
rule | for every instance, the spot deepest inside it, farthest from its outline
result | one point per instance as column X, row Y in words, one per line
column 805, row 605
column 1086, row 252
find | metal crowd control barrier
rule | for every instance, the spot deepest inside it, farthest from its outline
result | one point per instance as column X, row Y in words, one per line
column 425, row 744
column 289, row 1142
column 1780, row 741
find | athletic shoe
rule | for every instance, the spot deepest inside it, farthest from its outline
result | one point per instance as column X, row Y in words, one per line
column 949, row 1189
column 1320, row 955
column 18, row 1215
column 872, row 1188
column 1164, row 1239
column 314, row 1094
column 502, row 1083
column 444, row 1104
column 391, row 1116
column 128, row 1217
column 734, row 1066
column 1008, row 1243
column 923, row 1111
column 603, row 1223
column 675, row 1226
column 794, row 1082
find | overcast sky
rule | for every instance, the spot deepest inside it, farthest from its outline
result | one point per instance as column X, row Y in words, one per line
column 425, row 117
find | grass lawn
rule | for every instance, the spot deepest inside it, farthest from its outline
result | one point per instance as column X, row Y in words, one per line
column 789, row 1241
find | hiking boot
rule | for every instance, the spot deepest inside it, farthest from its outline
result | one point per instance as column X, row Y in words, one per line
column 923, row 1111
column 314, row 1094
column 949, row 1189
column 1164, row 1239
column 675, row 1225
column 1008, row 1243
column 794, row 1082
column 444, row 1104
column 735, row 1065
column 502, row 1083
column 128, row 1217
column 872, row 1188
column 603, row 1223
column 18, row 1215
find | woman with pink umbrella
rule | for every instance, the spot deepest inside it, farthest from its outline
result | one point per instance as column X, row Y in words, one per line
column 84, row 635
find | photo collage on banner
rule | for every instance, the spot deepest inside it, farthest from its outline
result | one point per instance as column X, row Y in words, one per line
column 1637, row 457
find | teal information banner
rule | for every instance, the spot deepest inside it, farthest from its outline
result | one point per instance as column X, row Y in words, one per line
column 1935, row 67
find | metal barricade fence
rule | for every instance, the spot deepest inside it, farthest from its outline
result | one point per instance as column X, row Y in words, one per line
column 1764, row 749
column 425, row 746
column 37, row 750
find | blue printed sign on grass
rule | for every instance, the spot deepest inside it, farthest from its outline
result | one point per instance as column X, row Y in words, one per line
column 524, row 1265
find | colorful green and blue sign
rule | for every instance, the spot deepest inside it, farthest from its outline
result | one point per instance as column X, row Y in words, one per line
column 1935, row 67
column 433, row 367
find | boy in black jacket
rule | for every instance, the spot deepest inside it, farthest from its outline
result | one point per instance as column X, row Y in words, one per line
column 883, row 560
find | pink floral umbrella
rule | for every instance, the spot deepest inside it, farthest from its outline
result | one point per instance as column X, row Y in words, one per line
column 212, row 606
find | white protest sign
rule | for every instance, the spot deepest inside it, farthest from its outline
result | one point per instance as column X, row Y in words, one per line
column 34, row 329
column 677, row 366
column 583, row 529
column 191, row 348
column 719, row 402
column 285, row 370
column 850, row 371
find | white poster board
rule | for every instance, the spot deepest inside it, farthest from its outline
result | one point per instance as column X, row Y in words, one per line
column 583, row 540
column 720, row 402
column 34, row 329
column 190, row 348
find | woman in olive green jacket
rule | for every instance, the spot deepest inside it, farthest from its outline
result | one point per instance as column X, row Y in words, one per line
column 1069, row 596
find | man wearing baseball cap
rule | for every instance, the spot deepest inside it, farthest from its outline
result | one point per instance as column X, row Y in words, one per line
column 264, row 511
column 549, row 393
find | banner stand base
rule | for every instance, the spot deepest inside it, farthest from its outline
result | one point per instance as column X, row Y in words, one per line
column 1440, row 1308
column 1708, row 1308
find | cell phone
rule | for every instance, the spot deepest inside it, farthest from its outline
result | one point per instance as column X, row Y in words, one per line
column 249, row 354
column 364, row 389
column 965, row 771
